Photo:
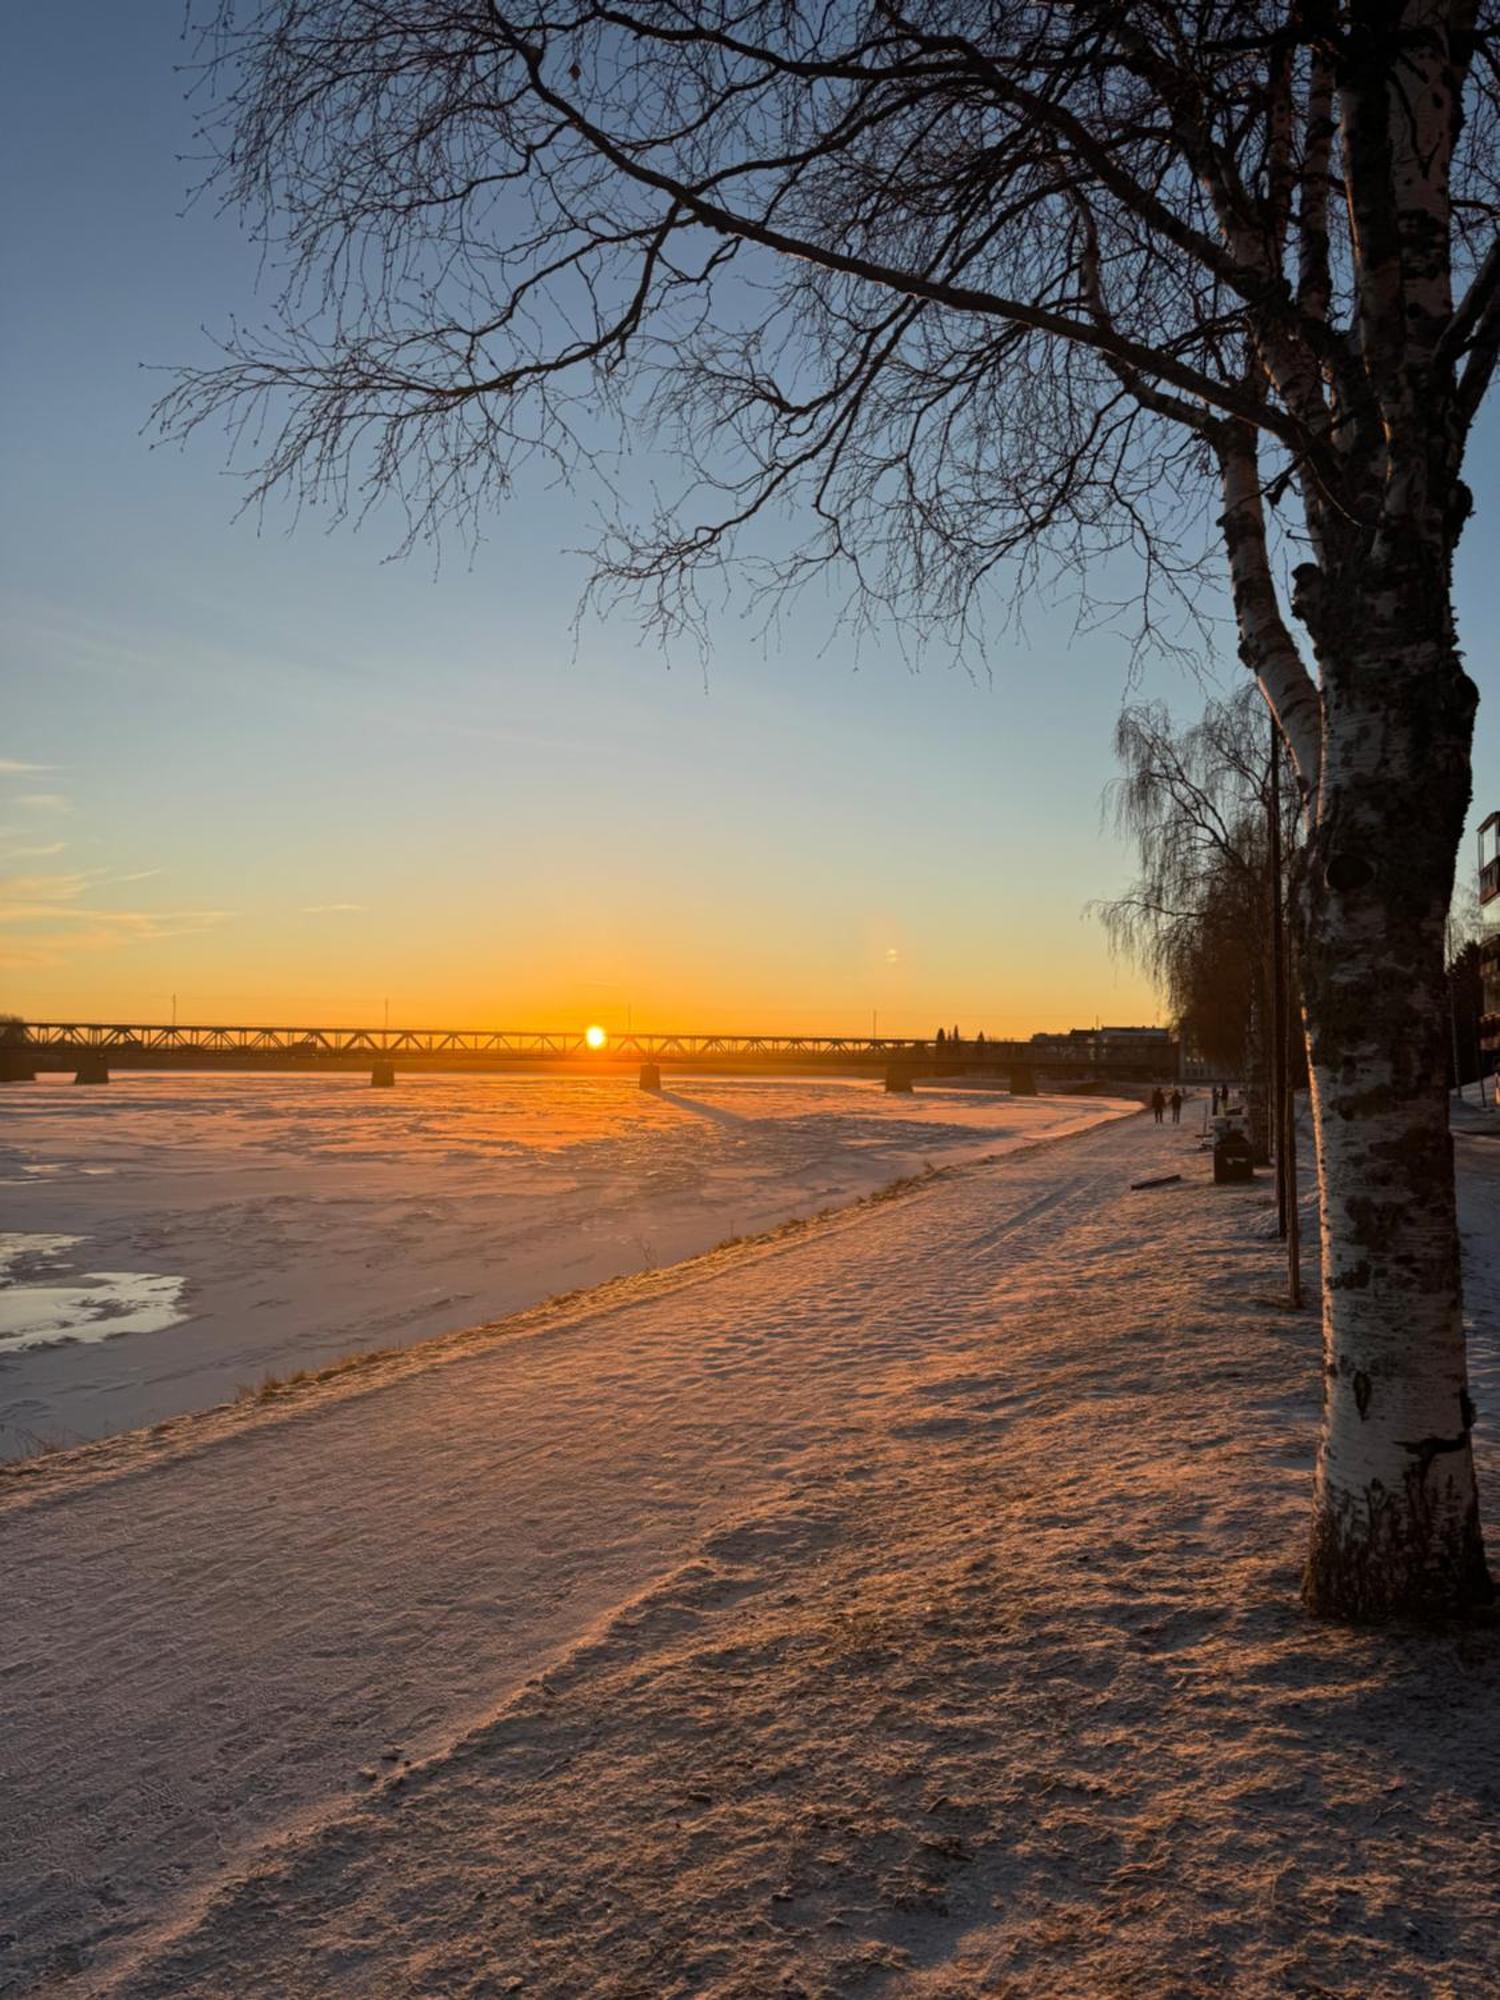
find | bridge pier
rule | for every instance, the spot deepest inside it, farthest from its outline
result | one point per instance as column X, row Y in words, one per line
column 1022, row 1080
column 383, row 1075
column 650, row 1076
column 92, row 1068
column 899, row 1077
column 17, row 1066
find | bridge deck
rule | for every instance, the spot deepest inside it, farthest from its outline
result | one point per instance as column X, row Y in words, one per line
column 147, row 1045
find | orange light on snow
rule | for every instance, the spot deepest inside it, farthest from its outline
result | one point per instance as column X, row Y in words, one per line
column 595, row 1037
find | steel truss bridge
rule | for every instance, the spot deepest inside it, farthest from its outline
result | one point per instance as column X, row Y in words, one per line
column 33, row 1046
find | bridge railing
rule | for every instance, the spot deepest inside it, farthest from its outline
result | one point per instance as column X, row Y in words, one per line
column 217, row 1038
column 186, row 1041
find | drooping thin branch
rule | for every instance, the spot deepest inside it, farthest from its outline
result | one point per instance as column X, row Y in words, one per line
column 1193, row 803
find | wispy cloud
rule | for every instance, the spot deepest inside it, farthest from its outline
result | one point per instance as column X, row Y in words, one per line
column 332, row 909
column 13, row 767
column 45, row 919
column 41, row 851
column 52, row 802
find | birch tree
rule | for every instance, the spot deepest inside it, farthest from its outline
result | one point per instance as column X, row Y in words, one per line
column 1195, row 803
column 974, row 291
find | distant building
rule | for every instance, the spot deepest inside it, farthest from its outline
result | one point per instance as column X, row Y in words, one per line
column 1489, row 948
column 1489, row 859
column 1137, row 1050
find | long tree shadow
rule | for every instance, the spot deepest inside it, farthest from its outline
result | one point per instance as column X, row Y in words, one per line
column 715, row 1113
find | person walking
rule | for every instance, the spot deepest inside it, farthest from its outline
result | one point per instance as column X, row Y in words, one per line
column 1176, row 1103
column 1158, row 1104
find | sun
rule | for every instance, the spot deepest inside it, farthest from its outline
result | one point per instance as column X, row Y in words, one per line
column 595, row 1037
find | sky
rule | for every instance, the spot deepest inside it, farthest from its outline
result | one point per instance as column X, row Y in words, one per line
column 258, row 771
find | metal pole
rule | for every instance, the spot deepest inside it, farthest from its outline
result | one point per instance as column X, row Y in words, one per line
column 1278, row 988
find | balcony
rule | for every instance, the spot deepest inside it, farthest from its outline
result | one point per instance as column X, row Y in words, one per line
column 1489, row 973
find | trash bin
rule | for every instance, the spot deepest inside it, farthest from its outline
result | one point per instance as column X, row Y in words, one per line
column 1233, row 1158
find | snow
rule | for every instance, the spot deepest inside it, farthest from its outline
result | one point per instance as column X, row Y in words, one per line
column 904, row 1604
column 238, row 1227
column 1476, row 1108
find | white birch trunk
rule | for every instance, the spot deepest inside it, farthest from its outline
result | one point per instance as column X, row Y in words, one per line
column 1396, row 1514
column 1396, row 1528
column 1396, row 1525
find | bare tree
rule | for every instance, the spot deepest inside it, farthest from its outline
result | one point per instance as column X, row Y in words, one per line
column 974, row 289
column 1195, row 803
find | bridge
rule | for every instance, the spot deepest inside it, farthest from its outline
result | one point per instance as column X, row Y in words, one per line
column 92, row 1049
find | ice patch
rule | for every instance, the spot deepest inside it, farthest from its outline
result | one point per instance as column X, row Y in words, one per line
column 97, row 1305
column 21, row 1246
column 106, row 1303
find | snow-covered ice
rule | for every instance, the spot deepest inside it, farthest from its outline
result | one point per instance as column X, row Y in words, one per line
column 207, row 1232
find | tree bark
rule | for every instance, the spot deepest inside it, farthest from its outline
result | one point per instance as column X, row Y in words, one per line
column 1396, row 1529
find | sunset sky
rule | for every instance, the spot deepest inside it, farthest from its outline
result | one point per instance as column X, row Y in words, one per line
column 274, row 774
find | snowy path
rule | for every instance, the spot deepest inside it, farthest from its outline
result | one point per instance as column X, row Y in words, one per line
column 176, row 1238
column 764, row 1497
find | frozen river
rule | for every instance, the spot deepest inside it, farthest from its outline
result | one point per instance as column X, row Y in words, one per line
column 170, row 1240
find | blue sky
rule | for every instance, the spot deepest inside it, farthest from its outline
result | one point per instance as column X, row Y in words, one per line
column 279, row 775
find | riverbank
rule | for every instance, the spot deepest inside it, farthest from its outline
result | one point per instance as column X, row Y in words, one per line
column 173, row 1240
column 906, row 1606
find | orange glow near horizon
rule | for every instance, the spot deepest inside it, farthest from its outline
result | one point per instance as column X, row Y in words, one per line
column 258, row 980
column 805, row 960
